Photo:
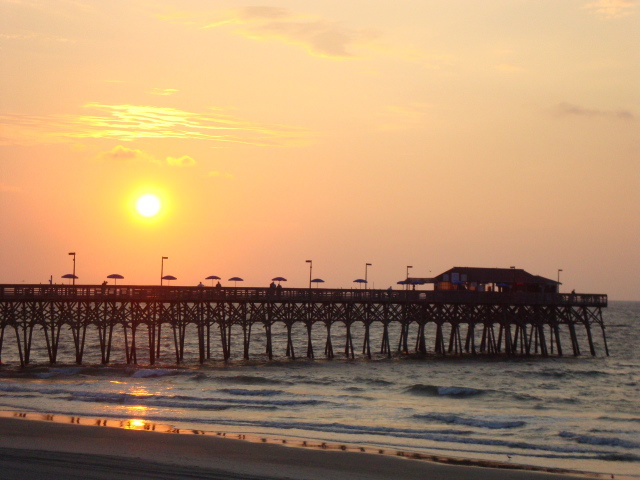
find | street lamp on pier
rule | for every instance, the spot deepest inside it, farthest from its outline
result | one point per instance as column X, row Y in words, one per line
column 366, row 266
column 74, row 266
column 310, row 270
column 162, row 269
column 559, row 270
column 407, row 285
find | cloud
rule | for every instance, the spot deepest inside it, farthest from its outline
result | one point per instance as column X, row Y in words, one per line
column 612, row 8
column 319, row 36
column 163, row 91
column 124, row 154
column 567, row 109
column 184, row 161
column 403, row 117
column 134, row 122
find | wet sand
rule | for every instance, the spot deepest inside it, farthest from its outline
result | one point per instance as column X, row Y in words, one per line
column 48, row 450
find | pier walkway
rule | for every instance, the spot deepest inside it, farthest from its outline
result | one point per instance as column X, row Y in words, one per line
column 507, row 323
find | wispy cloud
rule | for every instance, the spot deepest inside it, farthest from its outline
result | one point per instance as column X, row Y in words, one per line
column 163, row 91
column 133, row 122
column 403, row 117
column 184, row 161
column 121, row 154
column 319, row 36
column 124, row 154
column 567, row 109
column 612, row 8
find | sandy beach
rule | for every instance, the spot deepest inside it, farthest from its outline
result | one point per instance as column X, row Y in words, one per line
column 48, row 450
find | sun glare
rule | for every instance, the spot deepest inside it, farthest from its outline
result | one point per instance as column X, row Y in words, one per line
column 148, row 205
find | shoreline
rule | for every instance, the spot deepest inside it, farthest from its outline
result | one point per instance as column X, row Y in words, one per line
column 239, row 454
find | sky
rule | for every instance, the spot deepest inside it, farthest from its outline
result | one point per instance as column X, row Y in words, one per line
column 430, row 133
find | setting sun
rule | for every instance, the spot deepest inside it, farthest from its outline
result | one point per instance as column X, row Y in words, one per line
column 148, row 205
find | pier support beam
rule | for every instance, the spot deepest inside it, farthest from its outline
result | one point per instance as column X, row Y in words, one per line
column 309, row 325
column 328, row 348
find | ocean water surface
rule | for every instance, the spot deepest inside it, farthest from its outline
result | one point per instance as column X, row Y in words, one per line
column 577, row 413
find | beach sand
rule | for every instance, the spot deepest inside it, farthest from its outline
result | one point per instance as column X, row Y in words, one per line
column 50, row 450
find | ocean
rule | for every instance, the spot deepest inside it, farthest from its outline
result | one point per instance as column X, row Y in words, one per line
column 575, row 413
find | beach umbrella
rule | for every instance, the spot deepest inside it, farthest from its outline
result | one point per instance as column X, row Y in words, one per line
column 236, row 280
column 360, row 281
column 279, row 279
column 317, row 280
column 69, row 276
column 116, row 277
column 169, row 277
column 212, row 278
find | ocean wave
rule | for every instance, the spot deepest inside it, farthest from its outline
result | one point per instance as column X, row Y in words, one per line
column 187, row 402
column 495, row 424
column 565, row 373
column 251, row 393
column 600, row 441
column 373, row 381
column 620, row 457
column 433, row 391
column 251, row 380
column 620, row 419
column 615, row 432
column 155, row 372
column 450, row 436
column 199, row 377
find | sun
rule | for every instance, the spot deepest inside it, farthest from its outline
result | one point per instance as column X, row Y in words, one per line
column 148, row 205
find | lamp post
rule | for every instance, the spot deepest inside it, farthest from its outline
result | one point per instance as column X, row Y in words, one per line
column 162, row 269
column 407, row 285
column 74, row 266
column 310, row 270
column 366, row 266
column 559, row 270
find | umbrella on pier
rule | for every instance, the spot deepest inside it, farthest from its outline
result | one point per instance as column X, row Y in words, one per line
column 279, row 279
column 212, row 278
column 69, row 276
column 360, row 281
column 116, row 277
column 316, row 281
column 169, row 277
column 236, row 280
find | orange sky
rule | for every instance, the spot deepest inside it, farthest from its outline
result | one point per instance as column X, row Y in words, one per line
column 428, row 133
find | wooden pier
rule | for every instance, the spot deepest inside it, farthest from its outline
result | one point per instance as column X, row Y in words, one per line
column 493, row 323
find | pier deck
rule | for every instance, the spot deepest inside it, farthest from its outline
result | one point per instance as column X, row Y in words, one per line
column 521, row 319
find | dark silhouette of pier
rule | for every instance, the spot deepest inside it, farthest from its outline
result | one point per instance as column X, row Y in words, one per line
column 510, row 324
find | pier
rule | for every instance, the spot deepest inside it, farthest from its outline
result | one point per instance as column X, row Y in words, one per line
column 461, row 322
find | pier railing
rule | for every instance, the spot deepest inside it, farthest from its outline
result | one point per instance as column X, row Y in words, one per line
column 296, row 295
